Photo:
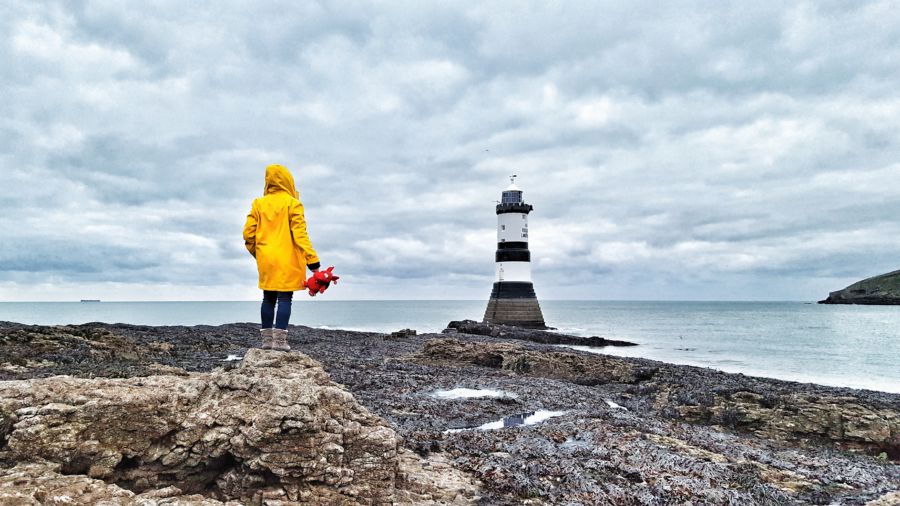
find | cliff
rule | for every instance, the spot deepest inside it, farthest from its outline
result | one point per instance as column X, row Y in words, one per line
column 877, row 290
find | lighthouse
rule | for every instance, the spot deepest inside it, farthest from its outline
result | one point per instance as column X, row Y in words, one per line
column 513, row 301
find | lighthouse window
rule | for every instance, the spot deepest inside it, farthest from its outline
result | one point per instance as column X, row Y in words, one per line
column 512, row 197
column 502, row 227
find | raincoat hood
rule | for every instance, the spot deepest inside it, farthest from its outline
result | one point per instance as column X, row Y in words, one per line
column 279, row 179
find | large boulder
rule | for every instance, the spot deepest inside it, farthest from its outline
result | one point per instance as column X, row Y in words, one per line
column 274, row 428
column 878, row 290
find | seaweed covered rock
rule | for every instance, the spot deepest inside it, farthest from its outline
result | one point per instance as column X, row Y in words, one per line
column 695, row 394
column 273, row 428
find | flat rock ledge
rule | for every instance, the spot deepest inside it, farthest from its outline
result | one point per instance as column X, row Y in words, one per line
column 273, row 430
column 532, row 335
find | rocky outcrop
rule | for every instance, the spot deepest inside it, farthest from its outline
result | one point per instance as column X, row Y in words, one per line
column 845, row 420
column 274, row 428
column 877, row 290
column 728, row 400
column 574, row 367
column 43, row 484
column 116, row 351
column 532, row 335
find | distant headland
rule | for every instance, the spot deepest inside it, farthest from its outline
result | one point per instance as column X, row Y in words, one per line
column 878, row 290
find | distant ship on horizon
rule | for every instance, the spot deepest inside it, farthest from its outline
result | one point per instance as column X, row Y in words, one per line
column 90, row 300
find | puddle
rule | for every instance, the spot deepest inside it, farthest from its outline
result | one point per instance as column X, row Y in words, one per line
column 232, row 358
column 575, row 443
column 533, row 418
column 614, row 405
column 472, row 393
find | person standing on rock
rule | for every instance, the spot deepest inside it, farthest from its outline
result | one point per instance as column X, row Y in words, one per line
column 275, row 234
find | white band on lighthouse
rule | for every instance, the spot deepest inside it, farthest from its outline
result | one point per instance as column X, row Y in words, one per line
column 514, row 271
column 512, row 227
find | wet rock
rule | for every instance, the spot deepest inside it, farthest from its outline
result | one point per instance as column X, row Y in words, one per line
column 403, row 333
column 523, row 334
column 842, row 419
column 273, row 428
column 433, row 480
column 848, row 420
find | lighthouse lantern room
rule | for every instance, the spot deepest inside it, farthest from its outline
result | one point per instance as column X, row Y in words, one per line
column 513, row 301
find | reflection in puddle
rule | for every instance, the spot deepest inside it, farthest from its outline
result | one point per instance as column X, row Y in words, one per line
column 471, row 393
column 533, row 418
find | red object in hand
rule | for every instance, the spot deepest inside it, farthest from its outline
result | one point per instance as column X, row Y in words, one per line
column 319, row 281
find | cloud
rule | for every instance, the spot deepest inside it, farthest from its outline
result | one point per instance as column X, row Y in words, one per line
column 671, row 151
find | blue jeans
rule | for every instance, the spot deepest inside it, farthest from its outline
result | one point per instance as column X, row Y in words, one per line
column 267, row 311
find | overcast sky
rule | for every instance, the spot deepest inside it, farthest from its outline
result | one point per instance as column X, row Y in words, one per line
column 671, row 150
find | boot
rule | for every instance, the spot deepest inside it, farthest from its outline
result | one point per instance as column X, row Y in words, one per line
column 279, row 340
column 267, row 340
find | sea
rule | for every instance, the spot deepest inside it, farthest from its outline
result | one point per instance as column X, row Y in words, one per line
column 848, row 346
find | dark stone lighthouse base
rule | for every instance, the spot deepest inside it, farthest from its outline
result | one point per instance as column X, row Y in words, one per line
column 514, row 303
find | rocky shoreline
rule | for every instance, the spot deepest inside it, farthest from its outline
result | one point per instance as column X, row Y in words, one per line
column 616, row 430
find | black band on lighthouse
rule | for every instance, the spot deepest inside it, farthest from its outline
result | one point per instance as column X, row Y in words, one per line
column 513, row 290
column 514, row 208
column 513, row 255
column 512, row 245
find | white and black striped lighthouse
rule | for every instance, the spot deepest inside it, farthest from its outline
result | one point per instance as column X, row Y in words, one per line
column 513, row 301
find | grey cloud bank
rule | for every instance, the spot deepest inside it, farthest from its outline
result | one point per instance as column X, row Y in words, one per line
column 684, row 151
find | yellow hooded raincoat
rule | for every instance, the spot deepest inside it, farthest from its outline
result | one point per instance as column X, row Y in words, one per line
column 275, row 233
